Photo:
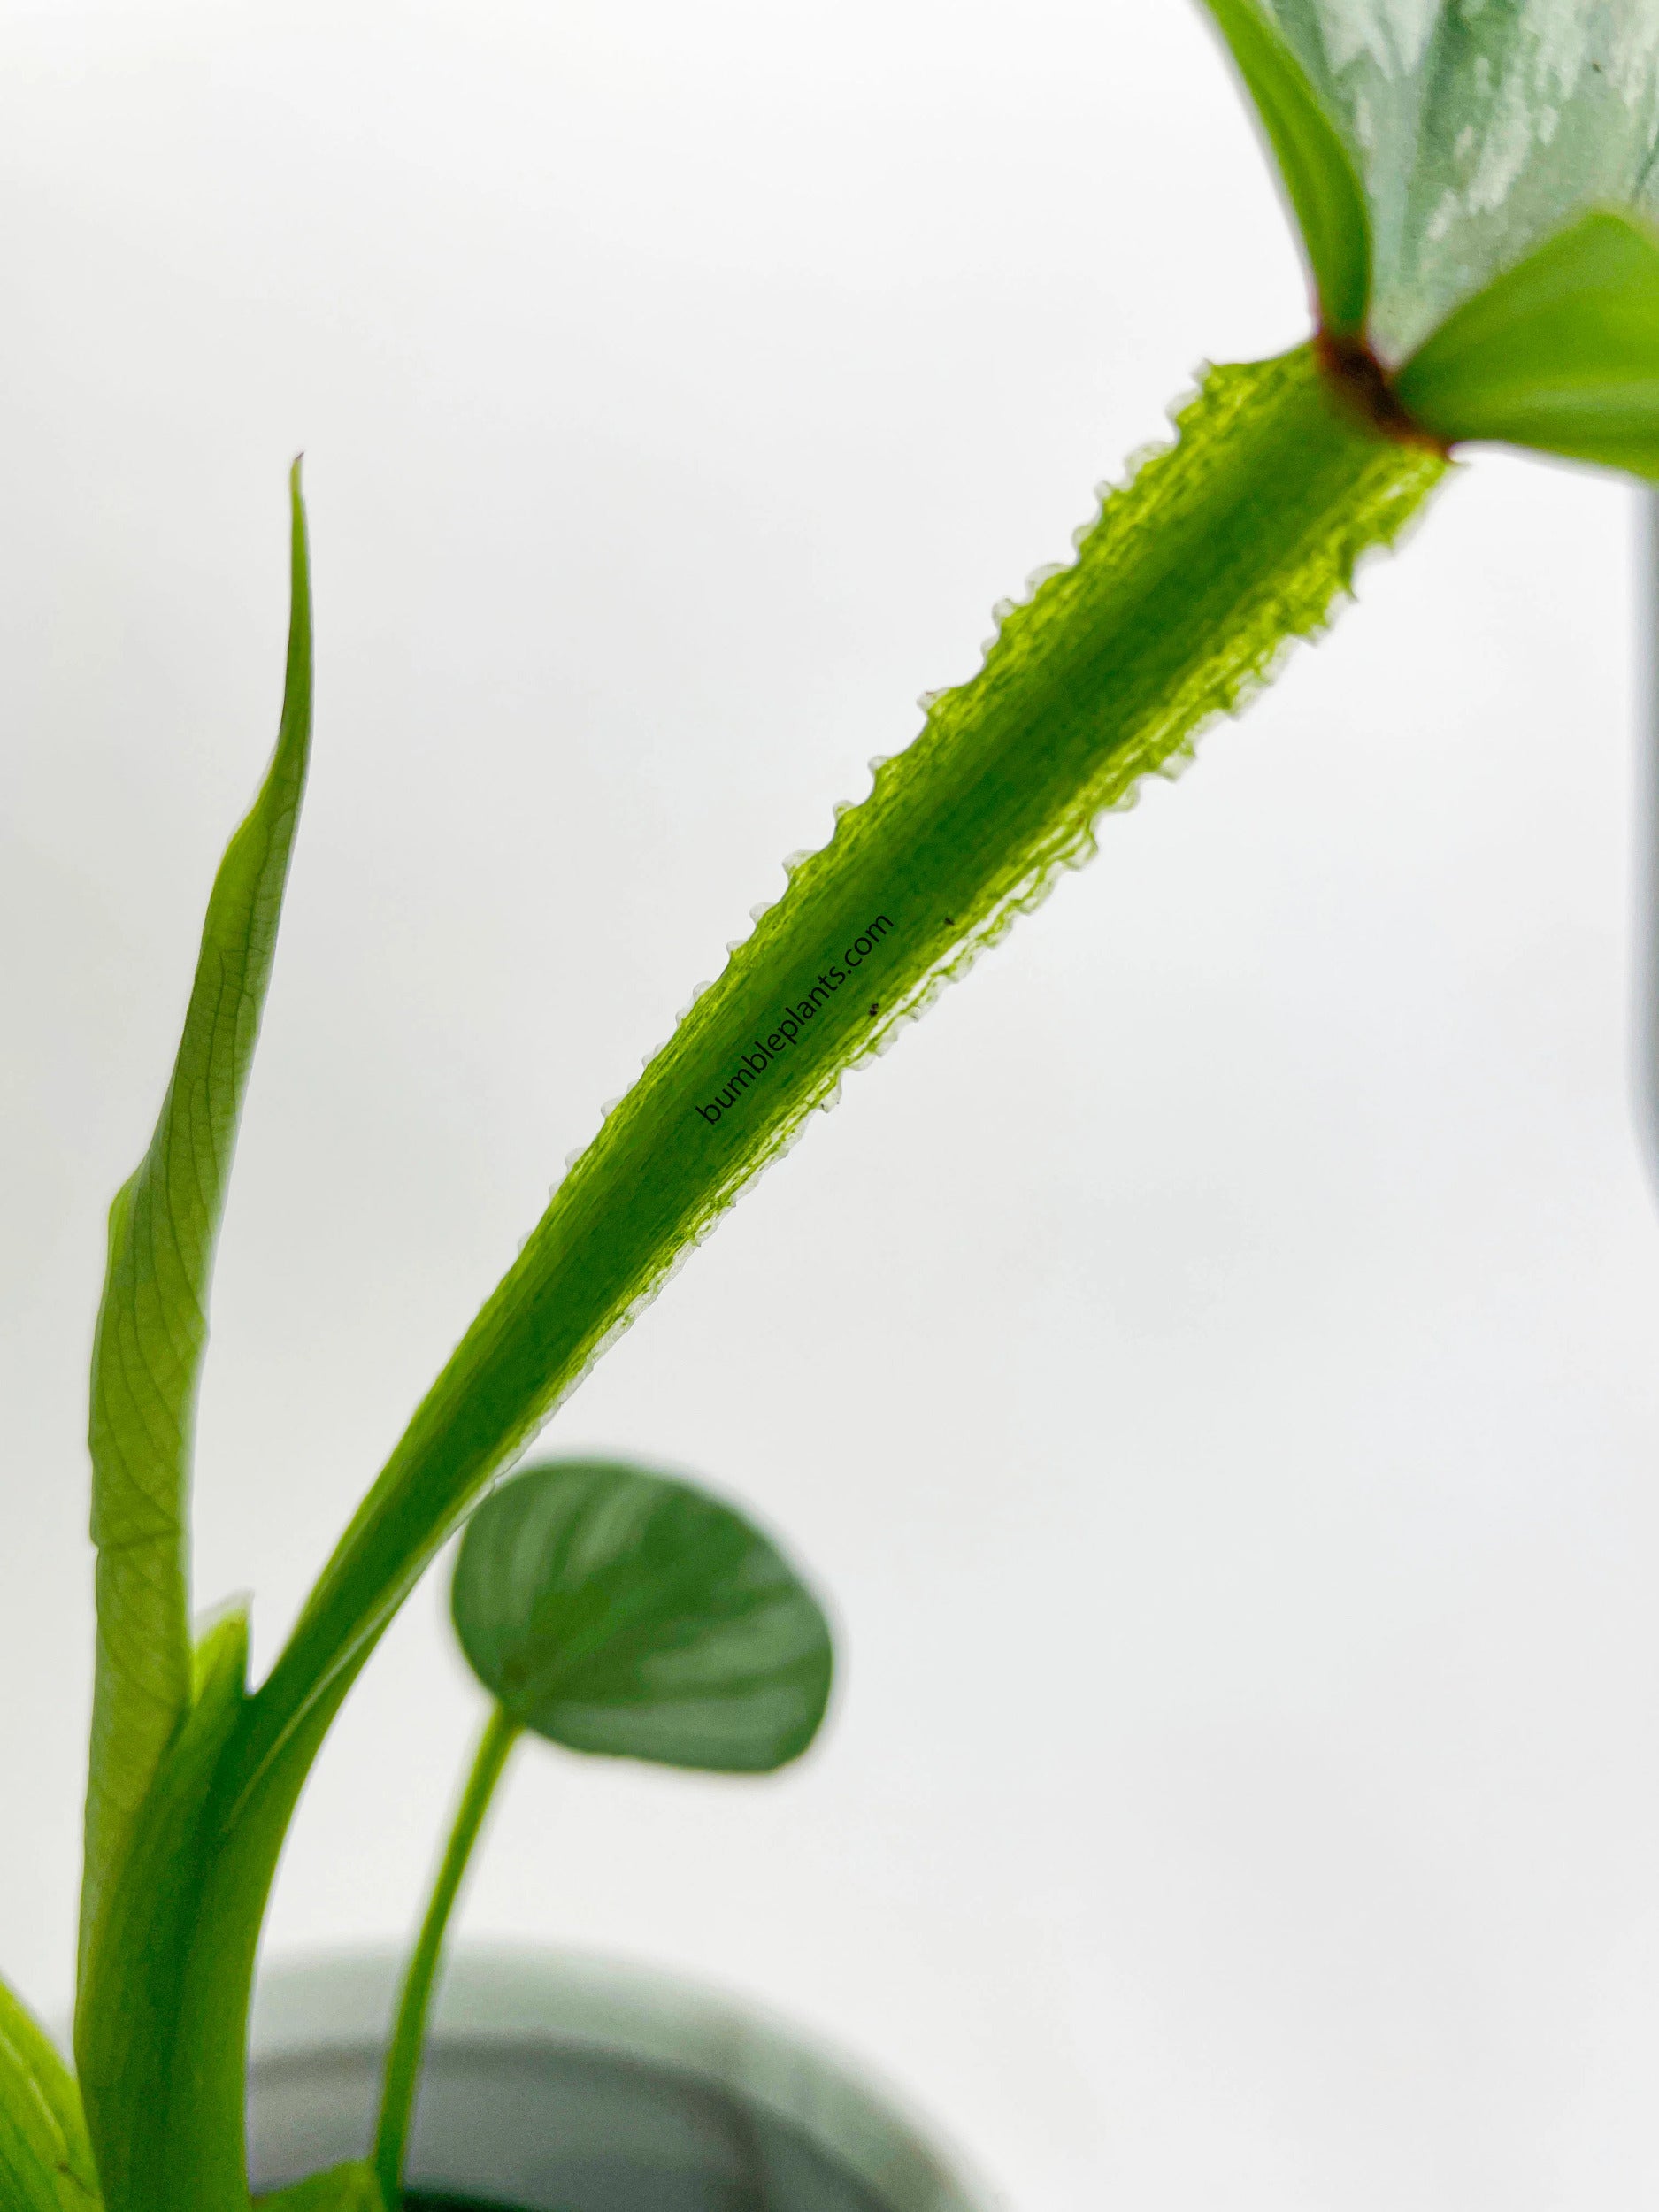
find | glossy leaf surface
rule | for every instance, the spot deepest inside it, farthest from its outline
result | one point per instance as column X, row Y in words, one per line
column 1479, row 130
column 1561, row 353
column 152, row 1322
column 45, row 2160
column 612, row 1609
column 1318, row 173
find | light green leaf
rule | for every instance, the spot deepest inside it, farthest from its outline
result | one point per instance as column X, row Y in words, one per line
column 45, row 2160
column 349, row 2188
column 1561, row 353
column 1318, row 173
column 152, row 1324
column 1480, row 131
column 616, row 1610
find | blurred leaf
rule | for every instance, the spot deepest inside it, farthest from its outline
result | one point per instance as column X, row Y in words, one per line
column 45, row 2160
column 1479, row 130
column 152, row 1324
column 349, row 2188
column 1318, row 174
column 615, row 1611
column 1561, row 353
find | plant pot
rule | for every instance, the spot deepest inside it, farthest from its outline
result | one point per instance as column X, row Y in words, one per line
column 559, row 2084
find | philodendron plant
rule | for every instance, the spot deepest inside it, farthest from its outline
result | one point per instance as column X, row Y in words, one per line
column 1472, row 185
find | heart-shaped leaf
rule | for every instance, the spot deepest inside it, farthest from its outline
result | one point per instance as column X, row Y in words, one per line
column 613, row 1609
column 1319, row 177
column 1561, row 353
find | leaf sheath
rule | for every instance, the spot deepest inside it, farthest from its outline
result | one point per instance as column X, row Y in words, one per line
column 152, row 1322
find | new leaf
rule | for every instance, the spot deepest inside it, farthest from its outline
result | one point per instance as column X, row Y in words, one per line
column 152, row 1324
column 612, row 1609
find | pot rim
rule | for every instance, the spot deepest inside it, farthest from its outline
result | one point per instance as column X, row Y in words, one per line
column 514, row 1994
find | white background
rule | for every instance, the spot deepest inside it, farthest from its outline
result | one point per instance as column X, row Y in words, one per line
column 1211, row 1363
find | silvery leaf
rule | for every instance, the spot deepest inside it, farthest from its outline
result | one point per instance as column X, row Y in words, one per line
column 1480, row 128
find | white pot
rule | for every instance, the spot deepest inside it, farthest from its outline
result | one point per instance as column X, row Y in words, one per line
column 561, row 2084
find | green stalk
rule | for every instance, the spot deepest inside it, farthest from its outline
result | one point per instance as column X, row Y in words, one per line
column 1185, row 591
column 409, row 2035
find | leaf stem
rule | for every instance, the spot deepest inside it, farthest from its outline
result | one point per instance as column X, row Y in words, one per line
column 1187, row 587
column 409, row 2034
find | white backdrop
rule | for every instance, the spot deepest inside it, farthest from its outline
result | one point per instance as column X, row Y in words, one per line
column 1211, row 1363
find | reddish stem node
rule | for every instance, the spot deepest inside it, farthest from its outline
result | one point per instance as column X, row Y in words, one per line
column 1363, row 384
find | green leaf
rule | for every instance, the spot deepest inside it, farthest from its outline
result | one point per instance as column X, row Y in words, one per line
column 45, row 2159
column 612, row 1609
column 1561, row 353
column 152, row 1322
column 1318, row 175
column 349, row 2188
column 1480, row 131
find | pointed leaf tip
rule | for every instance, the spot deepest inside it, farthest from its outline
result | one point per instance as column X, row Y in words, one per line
column 151, row 1329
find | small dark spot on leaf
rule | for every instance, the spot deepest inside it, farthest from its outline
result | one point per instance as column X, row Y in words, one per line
column 875, row 1009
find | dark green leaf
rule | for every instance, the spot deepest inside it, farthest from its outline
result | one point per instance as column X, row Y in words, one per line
column 152, row 1324
column 1318, row 175
column 616, row 1610
column 1561, row 353
column 349, row 2188
column 45, row 2160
